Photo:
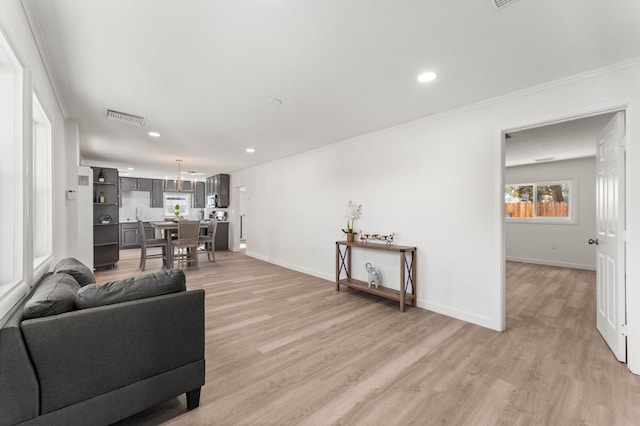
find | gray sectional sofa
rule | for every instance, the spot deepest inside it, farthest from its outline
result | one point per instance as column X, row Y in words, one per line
column 76, row 353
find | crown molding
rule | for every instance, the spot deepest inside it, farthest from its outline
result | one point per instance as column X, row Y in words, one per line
column 45, row 57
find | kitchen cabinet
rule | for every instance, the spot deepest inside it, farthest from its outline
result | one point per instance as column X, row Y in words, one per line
column 200, row 198
column 209, row 186
column 135, row 184
column 156, row 193
column 105, row 217
column 172, row 186
column 218, row 186
column 221, row 241
column 130, row 234
column 144, row 184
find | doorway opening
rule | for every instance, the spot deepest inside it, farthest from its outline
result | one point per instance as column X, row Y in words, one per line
column 243, row 197
column 550, row 212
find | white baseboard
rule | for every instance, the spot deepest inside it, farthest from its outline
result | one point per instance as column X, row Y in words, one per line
column 552, row 263
column 461, row 315
column 291, row 266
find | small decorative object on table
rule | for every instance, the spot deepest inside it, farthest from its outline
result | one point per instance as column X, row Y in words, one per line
column 105, row 218
column 374, row 276
column 353, row 212
column 388, row 239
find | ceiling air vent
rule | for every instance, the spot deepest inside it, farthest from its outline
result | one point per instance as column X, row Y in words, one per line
column 123, row 116
column 499, row 4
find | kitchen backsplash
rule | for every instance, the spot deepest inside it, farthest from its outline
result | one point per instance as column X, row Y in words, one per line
column 139, row 201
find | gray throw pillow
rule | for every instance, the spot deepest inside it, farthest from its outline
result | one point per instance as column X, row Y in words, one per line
column 149, row 285
column 77, row 270
column 56, row 294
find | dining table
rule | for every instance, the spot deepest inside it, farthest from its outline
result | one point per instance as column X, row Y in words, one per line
column 167, row 229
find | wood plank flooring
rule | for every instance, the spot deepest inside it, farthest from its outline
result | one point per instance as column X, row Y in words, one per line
column 284, row 348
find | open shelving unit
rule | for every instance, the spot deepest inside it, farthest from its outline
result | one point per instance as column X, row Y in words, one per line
column 407, row 292
column 106, row 238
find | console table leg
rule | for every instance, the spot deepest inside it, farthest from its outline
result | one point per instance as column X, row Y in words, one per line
column 403, row 286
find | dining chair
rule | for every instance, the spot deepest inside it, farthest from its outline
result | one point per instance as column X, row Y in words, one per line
column 209, row 240
column 145, row 244
column 187, row 242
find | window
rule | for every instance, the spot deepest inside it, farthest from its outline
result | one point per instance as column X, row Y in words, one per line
column 540, row 201
column 12, row 271
column 42, row 186
column 183, row 200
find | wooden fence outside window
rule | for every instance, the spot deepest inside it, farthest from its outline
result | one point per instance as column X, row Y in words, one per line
column 519, row 210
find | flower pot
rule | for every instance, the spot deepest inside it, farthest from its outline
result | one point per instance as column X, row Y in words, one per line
column 351, row 237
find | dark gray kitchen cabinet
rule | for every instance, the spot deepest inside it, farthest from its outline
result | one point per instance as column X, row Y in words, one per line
column 128, row 184
column 218, row 186
column 222, row 236
column 130, row 234
column 156, row 193
column 135, row 184
column 200, row 198
column 144, row 184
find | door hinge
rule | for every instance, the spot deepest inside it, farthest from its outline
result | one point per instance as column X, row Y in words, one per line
column 623, row 329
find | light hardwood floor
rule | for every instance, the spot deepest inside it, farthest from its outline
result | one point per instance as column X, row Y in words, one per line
column 284, row 348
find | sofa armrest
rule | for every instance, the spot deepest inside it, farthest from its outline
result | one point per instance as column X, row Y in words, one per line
column 82, row 354
column 19, row 392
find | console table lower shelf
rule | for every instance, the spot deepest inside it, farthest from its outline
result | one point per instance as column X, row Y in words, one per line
column 407, row 293
column 385, row 292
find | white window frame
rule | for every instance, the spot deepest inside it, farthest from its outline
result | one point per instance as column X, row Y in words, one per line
column 571, row 219
column 13, row 276
column 42, row 218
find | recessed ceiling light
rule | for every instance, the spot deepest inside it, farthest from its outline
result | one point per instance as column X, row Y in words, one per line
column 123, row 174
column 154, row 134
column 427, row 77
column 130, row 168
column 250, row 150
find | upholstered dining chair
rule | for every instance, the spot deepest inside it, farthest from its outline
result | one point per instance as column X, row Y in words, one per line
column 187, row 242
column 209, row 240
column 146, row 244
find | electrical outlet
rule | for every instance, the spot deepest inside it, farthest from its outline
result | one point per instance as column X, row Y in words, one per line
column 554, row 246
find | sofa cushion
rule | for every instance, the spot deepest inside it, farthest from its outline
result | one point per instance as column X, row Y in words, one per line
column 149, row 285
column 77, row 270
column 56, row 294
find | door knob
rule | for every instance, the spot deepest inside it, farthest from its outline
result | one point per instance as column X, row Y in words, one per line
column 592, row 241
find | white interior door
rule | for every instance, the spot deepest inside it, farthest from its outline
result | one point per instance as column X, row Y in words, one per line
column 610, row 242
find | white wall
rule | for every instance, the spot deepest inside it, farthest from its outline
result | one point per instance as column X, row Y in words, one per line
column 533, row 242
column 437, row 183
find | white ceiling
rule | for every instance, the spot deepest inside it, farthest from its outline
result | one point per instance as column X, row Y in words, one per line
column 203, row 72
column 559, row 141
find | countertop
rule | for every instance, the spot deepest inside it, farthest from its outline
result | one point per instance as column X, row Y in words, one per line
column 161, row 220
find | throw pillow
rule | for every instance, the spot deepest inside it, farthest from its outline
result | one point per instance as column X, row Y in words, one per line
column 77, row 270
column 149, row 285
column 56, row 294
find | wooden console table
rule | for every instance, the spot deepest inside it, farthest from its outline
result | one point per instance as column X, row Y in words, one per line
column 407, row 292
